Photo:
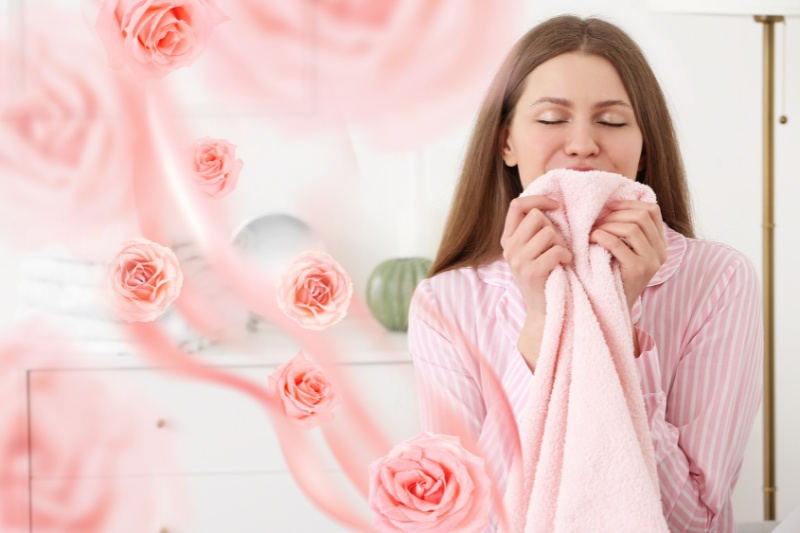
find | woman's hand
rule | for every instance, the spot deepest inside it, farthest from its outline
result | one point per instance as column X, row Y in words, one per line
column 533, row 248
column 634, row 234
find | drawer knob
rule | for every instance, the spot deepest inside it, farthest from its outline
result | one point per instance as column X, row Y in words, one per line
column 160, row 424
column 163, row 530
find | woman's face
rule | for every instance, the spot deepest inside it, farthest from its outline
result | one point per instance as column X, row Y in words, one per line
column 573, row 113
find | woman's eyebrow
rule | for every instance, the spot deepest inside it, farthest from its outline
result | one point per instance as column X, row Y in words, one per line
column 610, row 103
column 569, row 104
column 553, row 100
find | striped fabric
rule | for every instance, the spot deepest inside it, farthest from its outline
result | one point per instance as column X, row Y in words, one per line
column 700, row 333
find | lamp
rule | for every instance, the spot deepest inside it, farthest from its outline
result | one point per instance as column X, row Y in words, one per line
column 767, row 13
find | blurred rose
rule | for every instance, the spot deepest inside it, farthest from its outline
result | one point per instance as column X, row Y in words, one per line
column 67, row 130
column 304, row 392
column 429, row 483
column 145, row 278
column 84, row 439
column 315, row 291
column 409, row 68
column 155, row 37
column 216, row 169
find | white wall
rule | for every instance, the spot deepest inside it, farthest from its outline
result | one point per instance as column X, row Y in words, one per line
column 370, row 202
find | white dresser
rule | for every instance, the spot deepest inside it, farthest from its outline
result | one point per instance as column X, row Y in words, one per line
column 226, row 472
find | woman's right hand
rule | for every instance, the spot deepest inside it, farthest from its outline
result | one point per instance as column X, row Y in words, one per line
column 533, row 248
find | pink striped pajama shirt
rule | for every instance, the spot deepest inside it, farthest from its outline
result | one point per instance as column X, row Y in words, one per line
column 700, row 334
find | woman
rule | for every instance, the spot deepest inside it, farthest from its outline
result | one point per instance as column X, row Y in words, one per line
column 578, row 93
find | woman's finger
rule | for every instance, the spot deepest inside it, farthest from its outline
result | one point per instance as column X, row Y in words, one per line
column 544, row 264
column 520, row 252
column 519, row 207
column 534, row 223
column 622, row 224
column 653, row 211
column 614, row 244
column 633, row 237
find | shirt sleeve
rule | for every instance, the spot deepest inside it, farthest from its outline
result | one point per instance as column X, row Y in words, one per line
column 700, row 426
column 450, row 398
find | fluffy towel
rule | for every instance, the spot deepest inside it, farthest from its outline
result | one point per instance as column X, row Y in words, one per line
column 587, row 458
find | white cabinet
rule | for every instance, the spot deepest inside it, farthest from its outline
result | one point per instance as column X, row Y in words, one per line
column 210, row 458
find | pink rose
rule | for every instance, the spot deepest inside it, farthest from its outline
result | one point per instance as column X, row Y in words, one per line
column 155, row 37
column 145, row 278
column 315, row 291
column 216, row 169
column 304, row 392
column 429, row 483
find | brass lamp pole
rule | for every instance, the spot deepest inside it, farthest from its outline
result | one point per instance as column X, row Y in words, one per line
column 768, row 226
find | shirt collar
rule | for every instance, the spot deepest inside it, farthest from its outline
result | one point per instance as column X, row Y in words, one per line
column 676, row 249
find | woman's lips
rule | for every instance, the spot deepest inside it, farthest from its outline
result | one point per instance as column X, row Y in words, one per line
column 581, row 169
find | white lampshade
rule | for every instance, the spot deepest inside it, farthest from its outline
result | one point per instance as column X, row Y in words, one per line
column 727, row 7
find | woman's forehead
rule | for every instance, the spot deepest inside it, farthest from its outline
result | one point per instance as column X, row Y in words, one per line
column 572, row 77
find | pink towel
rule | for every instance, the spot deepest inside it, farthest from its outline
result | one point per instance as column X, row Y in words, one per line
column 587, row 458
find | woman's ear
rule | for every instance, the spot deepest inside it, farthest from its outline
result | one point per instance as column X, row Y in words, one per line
column 506, row 150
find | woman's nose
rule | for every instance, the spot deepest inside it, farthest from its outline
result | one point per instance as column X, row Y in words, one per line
column 581, row 142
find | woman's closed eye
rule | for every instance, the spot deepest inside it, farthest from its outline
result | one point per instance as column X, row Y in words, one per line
column 601, row 122
column 612, row 119
column 612, row 123
column 552, row 117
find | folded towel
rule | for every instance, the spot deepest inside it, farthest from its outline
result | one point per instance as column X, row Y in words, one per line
column 90, row 301
column 61, row 269
column 587, row 458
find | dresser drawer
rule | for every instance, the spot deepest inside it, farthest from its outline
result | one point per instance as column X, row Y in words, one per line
column 111, row 504
column 258, row 503
column 213, row 429
column 235, row 503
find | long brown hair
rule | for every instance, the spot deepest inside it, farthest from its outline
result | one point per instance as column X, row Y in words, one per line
column 487, row 186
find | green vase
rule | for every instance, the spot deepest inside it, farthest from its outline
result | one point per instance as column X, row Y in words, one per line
column 390, row 287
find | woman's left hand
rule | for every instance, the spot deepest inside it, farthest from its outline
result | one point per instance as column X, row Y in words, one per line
column 634, row 234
